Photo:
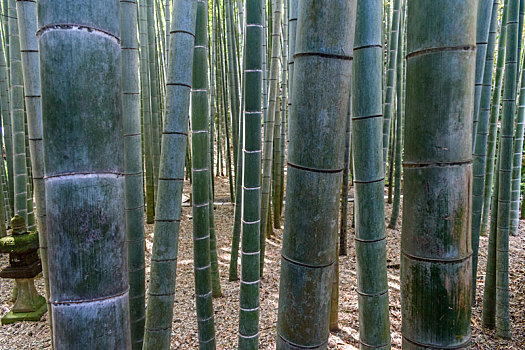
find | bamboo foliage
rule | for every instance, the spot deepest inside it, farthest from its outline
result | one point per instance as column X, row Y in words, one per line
column 315, row 162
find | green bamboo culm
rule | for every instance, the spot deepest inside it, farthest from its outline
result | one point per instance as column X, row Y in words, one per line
column 237, row 224
column 480, row 150
column 517, row 158
column 133, row 181
column 159, row 315
column 251, row 181
column 489, row 293
column 482, row 32
column 201, row 178
column 343, row 222
column 16, row 96
column 6, row 109
column 390, row 79
column 276, row 158
column 233, row 80
column 505, row 173
column 493, row 123
column 273, row 86
column 83, row 143
column 368, row 177
column 7, row 130
column 321, row 89
column 146, row 111
column 279, row 146
column 5, row 212
column 518, row 140
column 400, row 115
column 27, row 24
column 154, row 95
column 436, row 269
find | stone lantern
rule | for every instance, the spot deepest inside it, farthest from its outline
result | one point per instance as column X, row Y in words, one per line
column 24, row 266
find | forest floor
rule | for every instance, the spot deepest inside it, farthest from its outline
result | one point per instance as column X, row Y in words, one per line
column 35, row 335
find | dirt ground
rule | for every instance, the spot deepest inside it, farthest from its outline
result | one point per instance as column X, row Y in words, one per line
column 35, row 335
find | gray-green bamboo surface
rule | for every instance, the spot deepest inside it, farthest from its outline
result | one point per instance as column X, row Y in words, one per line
column 505, row 172
column 436, row 266
column 489, row 292
column 161, row 292
column 482, row 33
column 27, row 17
column 154, row 95
column 251, row 180
column 480, row 150
column 7, row 130
column 518, row 139
column 273, row 87
column 83, row 143
column 390, row 79
column 400, row 116
column 201, row 178
column 133, row 174
column 146, row 111
column 493, row 126
column 367, row 121
column 517, row 158
column 322, row 72
column 16, row 99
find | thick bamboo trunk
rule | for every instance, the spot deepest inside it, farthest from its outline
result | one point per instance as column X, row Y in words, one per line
column 320, row 95
column 436, row 267
column 83, row 142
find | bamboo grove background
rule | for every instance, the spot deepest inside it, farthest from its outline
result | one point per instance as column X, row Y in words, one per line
column 422, row 99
